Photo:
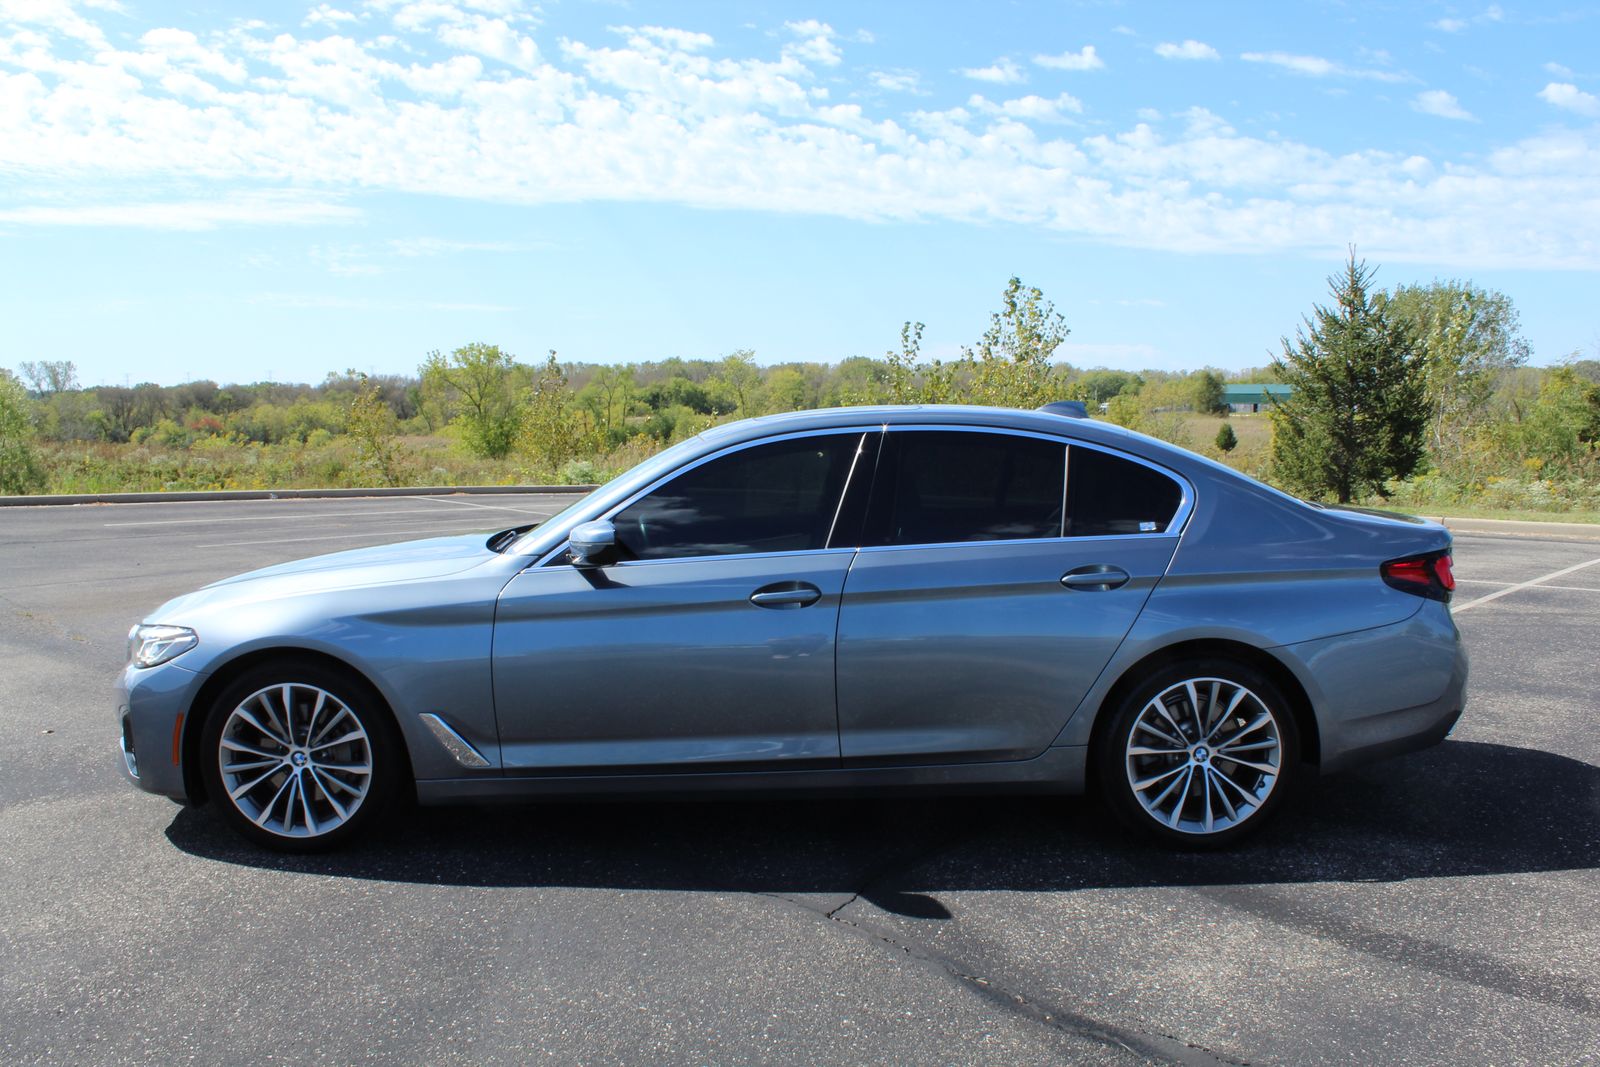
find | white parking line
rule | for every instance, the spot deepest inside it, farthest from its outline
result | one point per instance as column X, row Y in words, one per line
column 470, row 504
column 1498, row 593
column 1542, row 585
column 271, row 518
column 448, row 526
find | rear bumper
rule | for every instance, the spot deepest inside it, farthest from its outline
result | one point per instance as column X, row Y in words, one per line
column 1384, row 691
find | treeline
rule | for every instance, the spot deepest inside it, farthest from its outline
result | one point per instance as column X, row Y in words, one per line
column 1461, row 418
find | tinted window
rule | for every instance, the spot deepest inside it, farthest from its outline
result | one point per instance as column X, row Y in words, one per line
column 937, row 487
column 770, row 498
column 1107, row 494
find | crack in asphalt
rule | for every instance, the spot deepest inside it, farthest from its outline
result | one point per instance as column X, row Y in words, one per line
column 1150, row 1045
column 1456, row 965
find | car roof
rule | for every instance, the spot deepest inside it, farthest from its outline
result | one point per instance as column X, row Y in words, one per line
column 1088, row 430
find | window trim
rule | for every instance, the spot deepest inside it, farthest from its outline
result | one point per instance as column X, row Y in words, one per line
column 1174, row 528
column 611, row 513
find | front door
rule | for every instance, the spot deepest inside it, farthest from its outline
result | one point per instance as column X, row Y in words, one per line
column 709, row 646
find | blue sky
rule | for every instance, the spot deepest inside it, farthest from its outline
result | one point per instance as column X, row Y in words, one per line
column 281, row 190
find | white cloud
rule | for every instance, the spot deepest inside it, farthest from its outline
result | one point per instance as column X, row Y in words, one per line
column 1441, row 104
column 327, row 14
column 1001, row 72
column 816, row 44
column 1559, row 70
column 1492, row 13
column 1030, row 108
column 1318, row 67
column 1569, row 97
column 1083, row 59
column 1189, row 49
column 897, row 81
column 161, row 131
column 260, row 209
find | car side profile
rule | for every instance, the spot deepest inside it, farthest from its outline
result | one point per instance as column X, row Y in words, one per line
column 945, row 598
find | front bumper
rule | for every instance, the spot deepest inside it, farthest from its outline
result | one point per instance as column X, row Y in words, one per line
column 152, row 703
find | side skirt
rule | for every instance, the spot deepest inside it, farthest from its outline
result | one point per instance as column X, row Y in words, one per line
column 1057, row 770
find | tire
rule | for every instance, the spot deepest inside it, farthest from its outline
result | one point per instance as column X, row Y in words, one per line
column 300, row 757
column 1165, row 771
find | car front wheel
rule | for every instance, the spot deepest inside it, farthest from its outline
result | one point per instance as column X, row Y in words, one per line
column 299, row 757
column 1201, row 754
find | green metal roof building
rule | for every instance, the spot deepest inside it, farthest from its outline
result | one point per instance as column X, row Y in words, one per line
column 1251, row 396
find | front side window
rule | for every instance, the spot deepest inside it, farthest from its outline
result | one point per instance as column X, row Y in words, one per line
column 1108, row 495
column 778, row 497
column 942, row 487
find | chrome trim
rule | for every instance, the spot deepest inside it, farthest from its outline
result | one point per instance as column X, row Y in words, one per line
column 1063, row 542
column 460, row 748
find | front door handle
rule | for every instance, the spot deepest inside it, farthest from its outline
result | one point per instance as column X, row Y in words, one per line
column 786, row 595
column 1095, row 576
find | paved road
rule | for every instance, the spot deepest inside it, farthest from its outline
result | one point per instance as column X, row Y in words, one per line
column 1438, row 908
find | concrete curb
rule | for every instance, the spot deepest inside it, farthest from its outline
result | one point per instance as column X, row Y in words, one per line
column 281, row 494
column 1577, row 531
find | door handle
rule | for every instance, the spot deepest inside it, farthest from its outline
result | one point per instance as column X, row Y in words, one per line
column 1095, row 576
column 786, row 595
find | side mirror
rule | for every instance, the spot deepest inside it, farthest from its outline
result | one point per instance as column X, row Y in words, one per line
column 593, row 544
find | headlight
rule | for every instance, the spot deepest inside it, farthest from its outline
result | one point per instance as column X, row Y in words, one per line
column 149, row 645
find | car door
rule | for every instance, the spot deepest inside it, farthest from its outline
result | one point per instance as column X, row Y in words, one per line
column 710, row 644
column 999, row 571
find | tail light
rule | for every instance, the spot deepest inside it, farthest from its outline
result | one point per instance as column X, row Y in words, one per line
column 1428, row 575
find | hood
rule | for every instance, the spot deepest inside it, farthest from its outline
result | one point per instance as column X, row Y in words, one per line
column 434, row 557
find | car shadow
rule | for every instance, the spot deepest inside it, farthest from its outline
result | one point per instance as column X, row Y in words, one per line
column 1461, row 808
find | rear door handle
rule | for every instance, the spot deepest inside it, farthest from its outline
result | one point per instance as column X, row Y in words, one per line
column 786, row 595
column 1095, row 576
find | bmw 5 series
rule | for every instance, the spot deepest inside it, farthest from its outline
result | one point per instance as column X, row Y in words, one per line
column 948, row 598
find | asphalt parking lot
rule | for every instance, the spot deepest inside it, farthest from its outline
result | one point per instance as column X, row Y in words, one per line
column 1439, row 908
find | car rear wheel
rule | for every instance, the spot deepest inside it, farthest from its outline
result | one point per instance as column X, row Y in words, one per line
column 1201, row 754
column 299, row 757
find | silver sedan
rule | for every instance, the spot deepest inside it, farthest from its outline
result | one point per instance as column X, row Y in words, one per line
column 854, row 599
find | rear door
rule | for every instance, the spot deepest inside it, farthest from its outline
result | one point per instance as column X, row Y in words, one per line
column 999, row 571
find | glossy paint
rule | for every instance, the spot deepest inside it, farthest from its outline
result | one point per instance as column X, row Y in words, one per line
column 952, row 666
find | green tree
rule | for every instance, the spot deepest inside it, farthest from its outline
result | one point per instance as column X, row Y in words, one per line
column 1468, row 337
column 903, row 365
column 550, row 432
column 1206, row 392
column 481, row 384
column 1227, row 440
column 49, row 376
column 371, row 422
column 20, row 469
column 1100, row 385
column 740, row 379
column 1356, row 415
column 1563, row 423
column 1011, row 362
column 607, row 397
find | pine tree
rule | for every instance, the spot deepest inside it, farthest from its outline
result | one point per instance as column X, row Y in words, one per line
column 1227, row 440
column 1356, row 415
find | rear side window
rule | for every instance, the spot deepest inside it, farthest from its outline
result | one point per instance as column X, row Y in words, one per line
column 779, row 497
column 1107, row 494
column 941, row 487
